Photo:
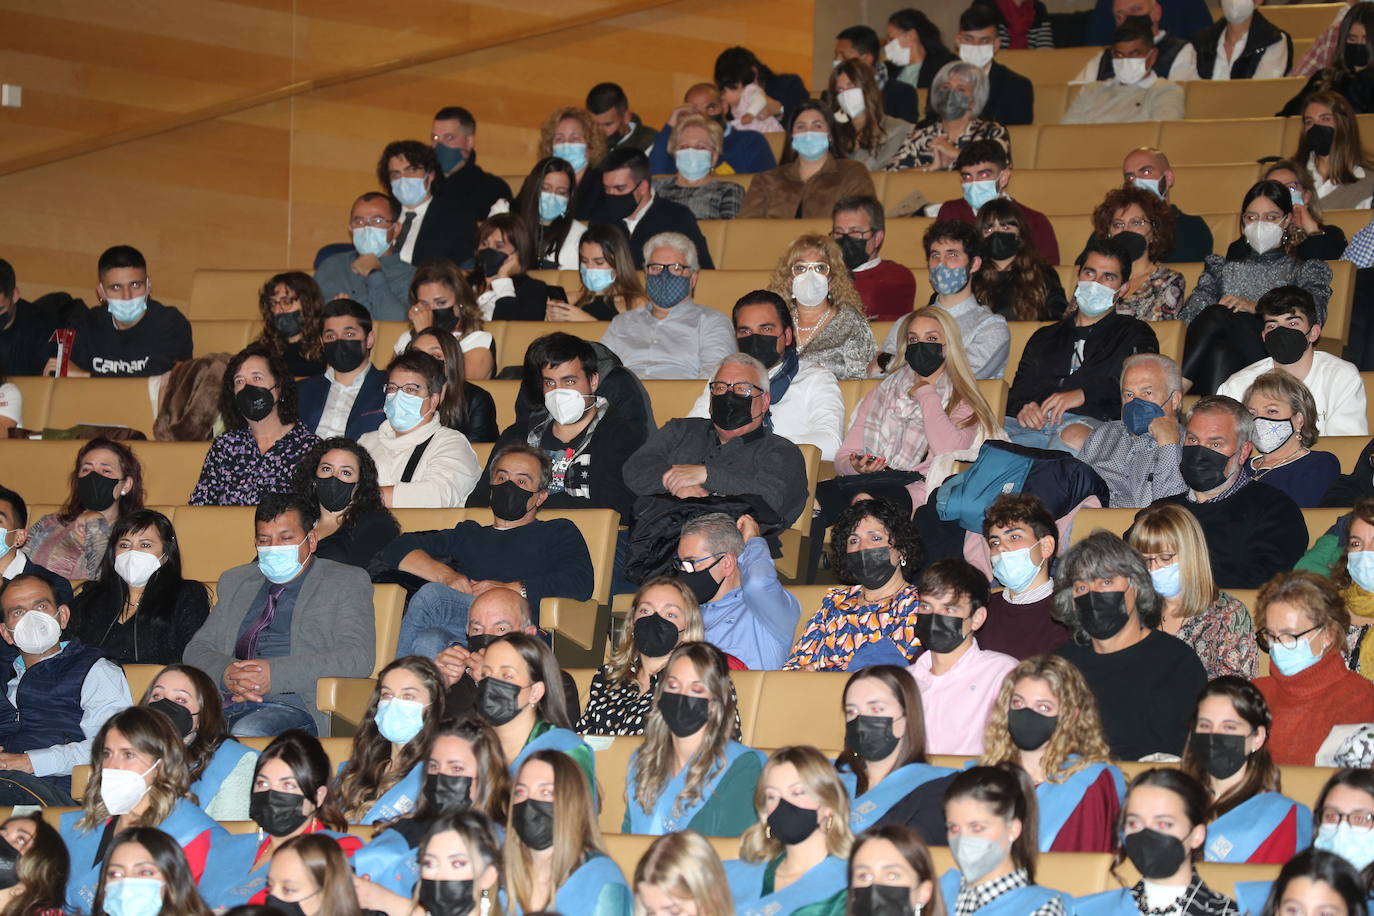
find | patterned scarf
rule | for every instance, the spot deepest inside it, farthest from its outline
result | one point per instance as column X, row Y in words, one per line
column 894, row 428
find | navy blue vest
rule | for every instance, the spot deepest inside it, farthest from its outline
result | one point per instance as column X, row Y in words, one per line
column 49, row 699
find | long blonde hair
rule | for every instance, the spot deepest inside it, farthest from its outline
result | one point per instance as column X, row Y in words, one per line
column 843, row 295
column 575, row 831
column 625, row 659
column 322, row 857
column 685, row 866
column 956, row 367
column 1078, row 731
column 151, row 733
column 1173, row 529
column 822, row 783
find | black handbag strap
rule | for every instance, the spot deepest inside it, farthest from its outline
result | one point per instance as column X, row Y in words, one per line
column 414, row 461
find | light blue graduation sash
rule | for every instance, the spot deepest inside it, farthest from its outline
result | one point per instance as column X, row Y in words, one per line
column 746, row 884
column 400, row 799
column 597, row 888
column 231, row 879
column 1239, row 833
column 1019, row 902
column 1107, row 903
column 664, row 819
column 389, row 860
column 1059, row 800
column 869, row 808
column 222, row 763
column 555, row 739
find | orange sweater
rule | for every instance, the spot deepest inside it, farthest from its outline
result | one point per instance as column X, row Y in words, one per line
column 1309, row 704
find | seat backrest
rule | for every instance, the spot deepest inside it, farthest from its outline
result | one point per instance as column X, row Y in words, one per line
column 1318, row 520
column 140, row 678
column 224, row 294
column 1229, row 99
column 384, row 344
column 748, row 695
column 612, row 766
column 1021, row 332
column 1336, row 331
column 389, row 603
column 1089, row 520
column 170, row 470
column 101, row 402
column 938, row 186
column 337, row 749
column 504, row 392
column 1047, row 66
column 225, row 336
column 673, row 398
column 756, row 244
column 1198, row 142
column 38, row 469
column 427, row 519
column 721, row 289
column 1089, row 145
column 1304, row 784
column 800, row 707
column 214, row 539
column 582, row 677
column 36, row 390
column 853, row 391
column 994, row 391
column 1347, row 449
column 809, row 597
column 516, row 337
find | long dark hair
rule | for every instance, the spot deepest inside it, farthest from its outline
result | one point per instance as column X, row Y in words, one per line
column 542, row 667
column 912, row 746
column 128, row 464
column 788, row 153
column 367, row 494
column 212, row 729
column 285, row 394
column 517, row 232
column 491, row 787
column 42, row 870
column 304, row 756
column 913, row 20
column 453, row 406
column 1193, row 793
column 910, row 847
column 861, row 77
column 157, row 608
column 738, row 66
column 1026, row 272
column 1326, row 867
column 1261, row 773
column 307, row 292
column 179, row 896
column 1360, row 779
column 615, row 248
column 1007, row 789
column 548, row 240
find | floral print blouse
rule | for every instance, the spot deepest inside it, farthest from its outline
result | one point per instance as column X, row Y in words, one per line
column 237, row 473
column 72, row 549
column 845, row 624
column 1223, row 636
column 1158, row 300
column 918, row 149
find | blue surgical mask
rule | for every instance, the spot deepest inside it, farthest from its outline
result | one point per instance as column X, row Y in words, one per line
column 596, row 279
column 5, row 545
column 551, row 206
column 978, row 193
column 1138, row 414
column 127, row 311
column 1150, row 184
column 403, row 411
column 811, row 144
column 371, row 240
column 693, row 164
column 1295, row 660
column 948, row 280
column 1015, row 569
column 280, row 564
column 133, row 897
column 1360, row 563
column 409, row 191
column 1093, row 298
column 1355, row 846
column 1167, row 581
column 574, row 154
column 400, row 720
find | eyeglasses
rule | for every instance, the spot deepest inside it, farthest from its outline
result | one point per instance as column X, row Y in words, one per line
column 376, row 222
column 863, row 234
column 683, row 564
column 1158, row 560
column 1249, row 218
column 1135, row 225
column 410, row 388
column 283, row 301
column 677, row 270
column 1266, row 637
column 1358, row 820
column 819, row 267
column 743, row 389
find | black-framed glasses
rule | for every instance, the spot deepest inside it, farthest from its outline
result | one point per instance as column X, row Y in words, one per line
column 687, row 565
column 1358, row 820
column 410, row 388
column 743, row 389
column 1267, row 637
column 677, row 270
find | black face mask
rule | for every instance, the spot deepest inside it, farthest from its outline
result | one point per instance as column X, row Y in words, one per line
column 289, row 324
column 616, row 207
column 763, row 347
column 1133, row 242
column 1102, row 614
column 1320, row 137
column 179, row 715
column 731, row 411
column 490, row 260
column 533, row 821
column 9, row 865
column 854, row 250
column 655, row 636
column 1030, row 729
column 509, row 501
column 1002, row 245
column 880, row 900
column 254, row 402
column 791, row 825
column 344, row 355
column 871, row 567
column 871, row 737
column 1202, row 468
column 285, row 909
column 497, row 701
column 1356, row 56
column 279, row 813
column 95, row 491
column 684, row 715
column 1155, row 855
column 925, row 357
column 443, row 897
column 703, row 585
column 940, row 632
column 1286, row 345
column 479, row 641
column 332, row 493
column 445, row 319
column 448, row 794
column 1221, row 756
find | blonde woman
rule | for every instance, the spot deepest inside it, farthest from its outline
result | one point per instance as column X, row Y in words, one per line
column 689, row 773
column 1213, row 622
column 555, row 858
column 796, row 854
column 572, row 135
column 664, row 614
column 831, row 324
column 139, row 778
column 1285, row 431
column 695, row 145
column 310, row 875
column 681, row 873
column 1046, row 722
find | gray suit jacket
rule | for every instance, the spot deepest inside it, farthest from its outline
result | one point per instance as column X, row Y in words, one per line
column 333, row 629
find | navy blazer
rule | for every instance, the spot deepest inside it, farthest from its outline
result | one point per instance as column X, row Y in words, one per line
column 366, row 414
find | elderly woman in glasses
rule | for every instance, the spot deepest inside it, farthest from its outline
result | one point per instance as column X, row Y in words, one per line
column 957, row 96
column 832, row 327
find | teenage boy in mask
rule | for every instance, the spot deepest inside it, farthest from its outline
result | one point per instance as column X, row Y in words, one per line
column 1290, row 333
column 1134, row 92
column 858, row 226
column 373, row 273
column 630, row 202
column 517, row 551
column 985, row 171
column 1022, row 540
column 349, row 398
column 1137, row 456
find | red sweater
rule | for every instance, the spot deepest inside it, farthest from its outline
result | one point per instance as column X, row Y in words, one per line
column 1309, row 704
column 1040, row 229
column 887, row 289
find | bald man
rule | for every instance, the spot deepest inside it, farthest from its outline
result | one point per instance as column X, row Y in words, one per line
column 745, row 150
column 1148, row 168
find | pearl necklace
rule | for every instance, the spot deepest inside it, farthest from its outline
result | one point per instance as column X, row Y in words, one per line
column 818, row 325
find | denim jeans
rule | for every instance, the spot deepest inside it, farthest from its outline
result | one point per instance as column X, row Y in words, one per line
column 436, row 618
column 19, row 788
column 267, row 719
column 1048, row 437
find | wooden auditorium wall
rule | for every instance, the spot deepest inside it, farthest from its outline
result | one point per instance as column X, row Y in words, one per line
column 236, row 134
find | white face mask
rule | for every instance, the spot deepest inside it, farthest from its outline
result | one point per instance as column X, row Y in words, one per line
column 565, row 405
column 122, row 790
column 136, row 567
column 897, row 53
column 978, row 55
column 1237, row 10
column 36, row 633
column 851, row 101
column 810, row 289
column 1263, row 236
column 1130, row 70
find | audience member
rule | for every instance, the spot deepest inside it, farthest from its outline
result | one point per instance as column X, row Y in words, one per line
column 1171, row 542
column 264, row 441
column 465, row 407
column 340, row 477
column 1313, row 879
column 864, row 130
column 887, row 288
column 1331, row 149
column 1011, row 97
column 1143, row 225
column 955, row 256
column 25, row 329
column 1022, row 540
column 432, row 227
column 137, row 608
column 1174, row 60
column 14, row 523
column 454, row 136
column 311, row 868
column 1242, row 45
column 958, row 678
column 129, row 334
column 630, row 202
column 441, row 300
column 1345, row 69
column 860, row 43
column 459, row 850
column 545, row 204
column 290, row 305
column 1145, row 681
column 267, row 640
column 889, row 864
column 1348, row 793
column 1301, row 622
column 421, row 463
column 504, row 289
column 539, row 726
column 811, row 175
column 696, row 145
column 1138, row 456
column 1345, row 556
column 610, row 109
column 517, row 551
column 1044, row 720
column 1067, row 383
column 41, row 867
column 1285, row 431
column 347, row 399
column 828, row 317
column 71, row 690
column 572, row 135
column 742, row 151
column 673, row 337
column 744, row 81
column 1226, row 500
column 106, row 485
column 1024, row 24
column 1015, row 281
column 984, row 168
column 914, row 50
column 1315, row 239
column 373, row 273
column 954, row 119
column 1148, row 168
column 1133, row 91
column 871, row 618
column 610, row 283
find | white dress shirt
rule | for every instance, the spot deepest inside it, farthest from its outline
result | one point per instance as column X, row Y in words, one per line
column 1335, row 385
column 632, row 221
column 1272, row 65
column 810, row 413
column 338, row 404
column 104, row 693
column 407, row 251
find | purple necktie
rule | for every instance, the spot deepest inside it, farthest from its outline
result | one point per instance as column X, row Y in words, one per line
column 248, row 643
